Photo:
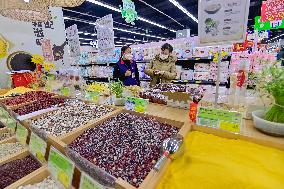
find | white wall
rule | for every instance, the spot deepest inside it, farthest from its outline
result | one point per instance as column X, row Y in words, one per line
column 21, row 35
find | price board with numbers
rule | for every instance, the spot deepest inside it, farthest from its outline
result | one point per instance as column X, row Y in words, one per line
column 220, row 119
column 61, row 167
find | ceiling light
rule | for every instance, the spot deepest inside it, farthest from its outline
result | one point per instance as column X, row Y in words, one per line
column 139, row 18
column 183, row 10
column 94, row 34
column 87, row 33
column 123, row 30
column 130, row 39
column 119, row 42
column 80, row 32
column 66, row 18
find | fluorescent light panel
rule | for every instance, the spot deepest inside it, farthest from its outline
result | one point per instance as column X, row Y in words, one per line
column 124, row 30
column 183, row 10
column 87, row 39
column 139, row 18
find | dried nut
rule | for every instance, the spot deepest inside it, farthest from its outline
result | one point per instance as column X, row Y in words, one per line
column 47, row 183
column 10, row 148
column 69, row 117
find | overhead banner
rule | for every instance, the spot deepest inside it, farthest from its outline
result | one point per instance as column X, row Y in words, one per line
column 105, row 34
column 272, row 10
column 73, row 40
column 222, row 21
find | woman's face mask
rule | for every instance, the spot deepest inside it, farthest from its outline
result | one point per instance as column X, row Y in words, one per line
column 128, row 56
column 163, row 56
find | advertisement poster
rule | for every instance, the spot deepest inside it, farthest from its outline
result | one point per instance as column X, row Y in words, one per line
column 222, row 21
column 105, row 34
column 73, row 40
column 272, row 10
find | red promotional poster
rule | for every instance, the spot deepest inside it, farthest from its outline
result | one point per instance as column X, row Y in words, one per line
column 272, row 10
column 47, row 50
column 193, row 111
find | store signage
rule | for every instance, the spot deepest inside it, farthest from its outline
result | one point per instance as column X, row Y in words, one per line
column 128, row 11
column 105, row 34
column 269, row 25
column 136, row 104
column 73, row 40
column 272, row 10
column 61, row 167
column 222, row 21
column 87, row 182
column 219, row 119
column 38, row 147
column 21, row 134
column 263, row 34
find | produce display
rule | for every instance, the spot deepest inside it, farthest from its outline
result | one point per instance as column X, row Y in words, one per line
column 5, row 135
column 154, row 96
column 125, row 146
column 27, row 97
column 69, row 117
column 215, row 162
column 17, row 90
column 38, row 105
column 10, row 148
column 15, row 170
column 47, row 183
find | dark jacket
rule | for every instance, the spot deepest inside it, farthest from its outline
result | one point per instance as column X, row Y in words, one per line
column 119, row 72
column 280, row 56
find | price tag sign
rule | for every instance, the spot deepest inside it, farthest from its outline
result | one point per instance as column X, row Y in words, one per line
column 89, row 183
column 219, row 119
column 38, row 147
column 11, row 123
column 21, row 134
column 136, row 104
column 61, row 167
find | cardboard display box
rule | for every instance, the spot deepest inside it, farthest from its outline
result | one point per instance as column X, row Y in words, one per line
column 120, row 183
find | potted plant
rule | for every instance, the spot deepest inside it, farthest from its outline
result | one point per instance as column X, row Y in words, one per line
column 271, row 121
column 116, row 89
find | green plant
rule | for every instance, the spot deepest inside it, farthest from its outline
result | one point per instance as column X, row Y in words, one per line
column 116, row 88
column 274, row 84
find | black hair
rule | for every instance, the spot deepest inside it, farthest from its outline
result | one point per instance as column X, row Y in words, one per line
column 167, row 46
column 123, row 49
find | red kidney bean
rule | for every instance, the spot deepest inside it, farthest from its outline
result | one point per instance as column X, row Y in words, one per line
column 125, row 145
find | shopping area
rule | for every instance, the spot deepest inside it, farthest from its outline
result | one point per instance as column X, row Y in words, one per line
column 166, row 94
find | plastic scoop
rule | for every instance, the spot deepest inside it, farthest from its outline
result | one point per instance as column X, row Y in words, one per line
column 171, row 148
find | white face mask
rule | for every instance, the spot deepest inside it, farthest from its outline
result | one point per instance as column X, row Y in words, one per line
column 163, row 56
column 128, row 56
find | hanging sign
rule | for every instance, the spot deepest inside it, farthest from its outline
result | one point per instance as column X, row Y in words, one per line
column 73, row 40
column 87, row 182
column 61, row 167
column 136, row 104
column 272, row 10
column 21, row 134
column 105, row 34
column 219, row 119
column 47, row 50
column 128, row 11
column 269, row 25
column 222, row 21
column 38, row 147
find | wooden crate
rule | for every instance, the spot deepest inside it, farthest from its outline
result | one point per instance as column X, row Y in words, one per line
column 120, row 183
column 21, row 155
column 54, row 140
column 220, row 133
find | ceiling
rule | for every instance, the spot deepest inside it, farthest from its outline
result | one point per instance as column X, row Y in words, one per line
column 166, row 14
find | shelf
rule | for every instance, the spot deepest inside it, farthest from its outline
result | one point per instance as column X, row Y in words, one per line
column 95, row 64
column 197, row 82
column 97, row 79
